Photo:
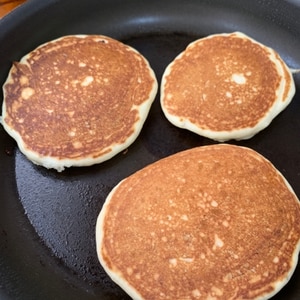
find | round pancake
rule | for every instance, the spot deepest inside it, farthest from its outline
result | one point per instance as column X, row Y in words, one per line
column 213, row 222
column 77, row 100
column 226, row 86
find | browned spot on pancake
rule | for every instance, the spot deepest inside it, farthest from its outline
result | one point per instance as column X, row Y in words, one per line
column 202, row 224
column 76, row 97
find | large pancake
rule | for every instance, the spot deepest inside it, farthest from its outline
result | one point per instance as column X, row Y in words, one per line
column 226, row 86
column 213, row 222
column 77, row 100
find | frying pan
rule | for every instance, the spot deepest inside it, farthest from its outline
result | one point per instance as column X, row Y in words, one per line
column 47, row 219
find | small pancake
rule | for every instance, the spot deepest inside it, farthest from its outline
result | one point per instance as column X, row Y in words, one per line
column 213, row 222
column 226, row 86
column 77, row 100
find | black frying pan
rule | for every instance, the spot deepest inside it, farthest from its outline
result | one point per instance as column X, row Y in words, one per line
column 47, row 219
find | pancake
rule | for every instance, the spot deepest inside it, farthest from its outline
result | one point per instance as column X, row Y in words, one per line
column 201, row 224
column 226, row 86
column 77, row 100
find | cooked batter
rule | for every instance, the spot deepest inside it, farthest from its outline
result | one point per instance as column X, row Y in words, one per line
column 77, row 100
column 226, row 86
column 213, row 222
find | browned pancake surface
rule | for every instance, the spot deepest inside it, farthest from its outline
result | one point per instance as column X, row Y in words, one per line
column 226, row 86
column 77, row 96
column 215, row 222
column 203, row 87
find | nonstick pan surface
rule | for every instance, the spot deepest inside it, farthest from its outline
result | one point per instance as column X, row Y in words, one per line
column 47, row 219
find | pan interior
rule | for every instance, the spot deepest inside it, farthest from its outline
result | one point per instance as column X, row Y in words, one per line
column 63, row 207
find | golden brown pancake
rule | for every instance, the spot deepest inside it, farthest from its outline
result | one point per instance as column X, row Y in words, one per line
column 226, row 86
column 77, row 100
column 213, row 222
